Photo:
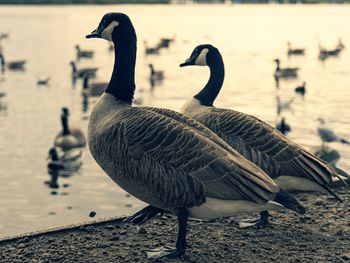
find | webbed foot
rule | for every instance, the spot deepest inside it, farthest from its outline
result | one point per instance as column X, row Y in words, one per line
column 164, row 251
column 259, row 222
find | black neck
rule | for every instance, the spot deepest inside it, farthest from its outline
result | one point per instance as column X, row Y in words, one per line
column 86, row 82
column 122, row 83
column 54, row 156
column 2, row 58
column 217, row 73
column 277, row 65
column 65, row 128
column 74, row 67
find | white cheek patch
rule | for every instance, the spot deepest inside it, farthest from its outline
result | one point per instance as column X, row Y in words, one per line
column 202, row 58
column 107, row 33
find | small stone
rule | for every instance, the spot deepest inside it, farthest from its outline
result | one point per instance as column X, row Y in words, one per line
column 142, row 231
column 114, row 238
column 92, row 214
column 340, row 232
column 319, row 203
column 123, row 232
column 109, row 227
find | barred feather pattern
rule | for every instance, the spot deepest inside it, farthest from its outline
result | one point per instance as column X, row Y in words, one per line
column 158, row 156
column 260, row 143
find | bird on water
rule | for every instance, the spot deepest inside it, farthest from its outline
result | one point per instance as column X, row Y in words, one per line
column 166, row 159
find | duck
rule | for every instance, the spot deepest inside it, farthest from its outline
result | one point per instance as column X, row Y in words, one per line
column 301, row 89
column 94, row 89
column 81, row 72
column 327, row 135
column 164, row 158
column 68, row 161
column 83, row 53
column 43, row 81
column 151, row 50
column 285, row 72
column 283, row 126
column 69, row 138
column 287, row 163
column 295, row 51
column 11, row 65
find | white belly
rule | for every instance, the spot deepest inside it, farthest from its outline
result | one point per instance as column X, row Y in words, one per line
column 298, row 183
column 215, row 208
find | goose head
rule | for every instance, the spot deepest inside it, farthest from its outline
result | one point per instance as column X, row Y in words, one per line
column 110, row 26
column 65, row 111
column 202, row 55
column 277, row 61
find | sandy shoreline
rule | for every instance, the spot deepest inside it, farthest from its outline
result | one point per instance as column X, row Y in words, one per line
column 322, row 235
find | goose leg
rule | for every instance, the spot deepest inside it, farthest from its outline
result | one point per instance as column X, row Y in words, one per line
column 182, row 218
column 260, row 222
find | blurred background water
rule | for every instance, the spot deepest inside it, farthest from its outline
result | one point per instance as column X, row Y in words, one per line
column 249, row 38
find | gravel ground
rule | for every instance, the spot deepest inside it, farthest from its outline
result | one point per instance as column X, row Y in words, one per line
column 321, row 235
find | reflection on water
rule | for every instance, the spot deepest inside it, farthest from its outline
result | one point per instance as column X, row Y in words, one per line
column 249, row 38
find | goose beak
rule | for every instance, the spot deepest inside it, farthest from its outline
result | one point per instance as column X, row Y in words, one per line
column 188, row 62
column 94, row 34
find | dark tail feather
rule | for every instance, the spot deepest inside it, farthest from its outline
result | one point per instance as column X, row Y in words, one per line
column 143, row 215
column 342, row 172
column 288, row 201
column 344, row 141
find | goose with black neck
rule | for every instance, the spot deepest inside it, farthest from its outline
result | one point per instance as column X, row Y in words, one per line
column 166, row 159
column 291, row 166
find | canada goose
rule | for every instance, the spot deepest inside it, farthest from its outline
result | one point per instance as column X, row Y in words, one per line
column 327, row 134
column 301, row 89
column 295, row 51
column 283, row 126
column 68, row 138
column 165, row 42
column 291, row 166
column 285, row 72
column 94, row 89
column 83, row 53
column 68, row 161
column 156, row 75
column 80, row 73
column 11, row 65
column 151, row 50
column 166, row 159
column 324, row 53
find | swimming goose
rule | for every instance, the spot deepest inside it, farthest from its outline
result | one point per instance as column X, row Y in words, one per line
column 81, row 72
column 291, row 166
column 68, row 161
column 301, row 89
column 43, row 81
column 295, row 51
column 327, row 134
column 151, row 50
column 166, row 159
column 11, row 65
column 83, row 53
column 285, row 72
column 68, row 138
column 94, row 89
column 156, row 75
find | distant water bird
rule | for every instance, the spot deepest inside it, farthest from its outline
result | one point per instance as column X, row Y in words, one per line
column 67, row 162
column 81, row 72
column 4, row 36
column 43, row 81
column 340, row 44
column 290, row 165
column 295, row 51
column 283, row 126
column 324, row 53
column 94, row 89
column 156, row 75
column 283, row 105
column 2, row 94
column 11, row 65
column 327, row 134
column 151, row 50
column 165, row 42
column 285, row 72
column 69, row 138
column 166, row 159
column 81, row 53
column 301, row 89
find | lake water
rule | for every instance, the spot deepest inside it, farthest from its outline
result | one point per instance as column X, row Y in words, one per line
column 249, row 38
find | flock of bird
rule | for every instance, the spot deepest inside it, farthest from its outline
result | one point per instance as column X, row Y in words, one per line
column 326, row 134
column 204, row 162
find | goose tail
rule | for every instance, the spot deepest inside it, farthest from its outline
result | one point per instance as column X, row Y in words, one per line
column 288, row 201
column 144, row 215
